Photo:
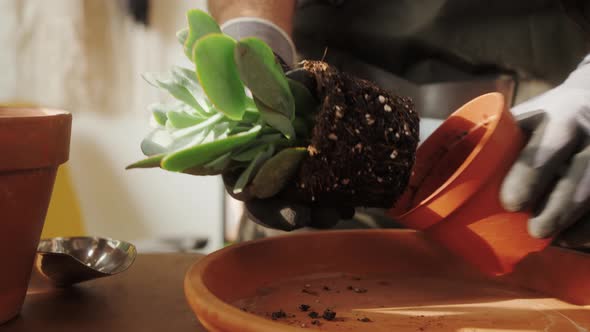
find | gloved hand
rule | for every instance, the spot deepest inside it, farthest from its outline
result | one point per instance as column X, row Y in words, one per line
column 552, row 173
column 283, row 213
column 287, row 216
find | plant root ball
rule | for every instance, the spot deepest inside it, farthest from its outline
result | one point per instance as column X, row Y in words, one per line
column 363, row 142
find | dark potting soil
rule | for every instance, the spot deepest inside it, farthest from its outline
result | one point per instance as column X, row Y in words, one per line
column 278, row 314
column 329, row 314
column 304, row 307
column 363, row 143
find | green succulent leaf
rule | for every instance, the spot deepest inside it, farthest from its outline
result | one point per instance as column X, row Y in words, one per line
column 185, row 76
column 161, row 141
column 188, row 79
column 189, row 131
column 183, row 94
column 183, row 119
column 250, row 117
column 302, row 128
column 201, row 171
column 153, row 161
column 305, row 103
column 220, row 163
column 200, row 24
column 263, row 75
column 277, row 172
column 250, row 153
column 219, row 76
column 221, row 130
column 156, row 142
column 252, row 168
column 175, row 106
column 165, row 140
column 182, row 35
column 276, row 119
column 239, row 129
column 160, row 117
column 200, row 154
column 176, row 89
column 215, row 167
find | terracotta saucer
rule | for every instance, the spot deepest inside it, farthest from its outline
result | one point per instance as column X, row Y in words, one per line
column 382, row 280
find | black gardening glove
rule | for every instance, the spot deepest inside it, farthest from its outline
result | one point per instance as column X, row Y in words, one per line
column 280, row 214
column 283, row 212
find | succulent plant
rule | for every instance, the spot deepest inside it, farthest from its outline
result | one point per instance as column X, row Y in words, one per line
column 234, row 111
column 317, row 134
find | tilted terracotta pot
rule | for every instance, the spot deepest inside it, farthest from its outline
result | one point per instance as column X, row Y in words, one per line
column 453, row 195
column 33, row 143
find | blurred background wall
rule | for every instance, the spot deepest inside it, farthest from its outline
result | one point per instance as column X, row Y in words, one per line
column 86, row 56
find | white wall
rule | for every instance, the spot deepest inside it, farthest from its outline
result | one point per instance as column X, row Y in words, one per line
column 143, row 204
column 86, row 56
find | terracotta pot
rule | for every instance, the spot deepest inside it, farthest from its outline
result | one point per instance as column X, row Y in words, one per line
column 453, row 195
column 33, row 143
column 400, row 280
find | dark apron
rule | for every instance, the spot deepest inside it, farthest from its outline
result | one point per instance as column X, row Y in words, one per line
column 532, row 38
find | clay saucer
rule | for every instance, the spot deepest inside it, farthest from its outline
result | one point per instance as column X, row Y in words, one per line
column 382, row 280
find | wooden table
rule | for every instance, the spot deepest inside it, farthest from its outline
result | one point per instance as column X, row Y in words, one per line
column 147, row 297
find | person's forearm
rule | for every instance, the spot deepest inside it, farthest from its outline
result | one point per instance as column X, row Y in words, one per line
column 280, row 12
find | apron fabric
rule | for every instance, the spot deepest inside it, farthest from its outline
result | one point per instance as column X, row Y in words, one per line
column 533, row 38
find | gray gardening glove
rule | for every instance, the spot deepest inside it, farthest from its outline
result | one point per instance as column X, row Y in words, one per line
column 270, row 33
column 552, row 174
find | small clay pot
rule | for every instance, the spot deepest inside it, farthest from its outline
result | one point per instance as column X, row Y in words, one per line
column 453, row 195
column 33, row 143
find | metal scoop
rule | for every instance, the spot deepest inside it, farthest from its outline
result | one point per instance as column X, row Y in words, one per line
column 67, row 261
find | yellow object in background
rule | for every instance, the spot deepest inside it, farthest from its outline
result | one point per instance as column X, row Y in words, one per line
column 64, row 217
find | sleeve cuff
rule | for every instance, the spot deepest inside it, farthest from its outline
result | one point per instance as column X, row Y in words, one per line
column 267, row 31
column 580, row 78
column 586, row 61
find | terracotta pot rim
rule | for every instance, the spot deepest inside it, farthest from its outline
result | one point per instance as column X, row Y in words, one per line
column 203, row 300
column 13, row 113
column 34, row 138
column 494, row 120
